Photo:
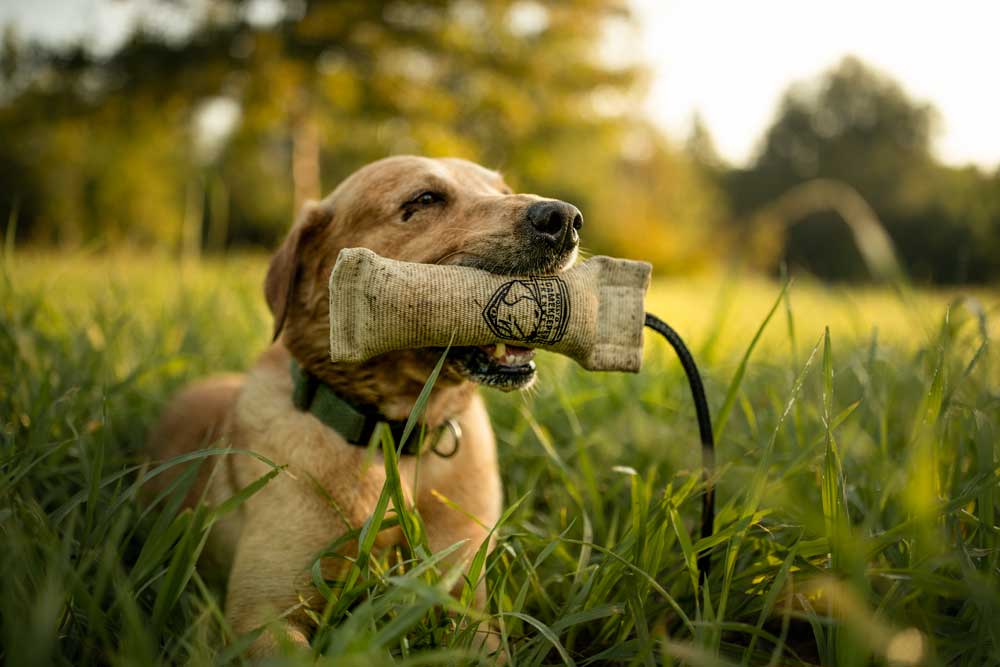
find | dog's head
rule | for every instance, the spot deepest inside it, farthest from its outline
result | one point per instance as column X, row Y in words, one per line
column 437, row 211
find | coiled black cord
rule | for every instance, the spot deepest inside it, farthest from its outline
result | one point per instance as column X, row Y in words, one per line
column 704, row 429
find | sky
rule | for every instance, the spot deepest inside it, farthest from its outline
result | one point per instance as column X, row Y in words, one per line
column 730, row 60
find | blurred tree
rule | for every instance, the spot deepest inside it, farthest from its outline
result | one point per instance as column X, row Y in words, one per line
column 700, row 146
column 108, row 147
column 853, row 124
column 856, row 126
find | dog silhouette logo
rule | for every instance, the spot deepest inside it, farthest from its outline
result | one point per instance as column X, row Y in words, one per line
column 529, row 310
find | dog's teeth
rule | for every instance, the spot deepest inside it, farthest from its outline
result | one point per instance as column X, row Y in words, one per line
column 499, row 350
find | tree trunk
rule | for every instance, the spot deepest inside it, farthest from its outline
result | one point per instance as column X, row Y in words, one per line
column 305, row 160
column 191, row 225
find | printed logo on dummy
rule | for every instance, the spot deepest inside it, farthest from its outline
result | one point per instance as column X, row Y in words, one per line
column 529, row 310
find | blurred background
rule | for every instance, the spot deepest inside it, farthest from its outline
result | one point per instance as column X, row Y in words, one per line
column 849, row 143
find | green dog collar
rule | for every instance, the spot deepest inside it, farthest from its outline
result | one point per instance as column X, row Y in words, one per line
column 356, row 425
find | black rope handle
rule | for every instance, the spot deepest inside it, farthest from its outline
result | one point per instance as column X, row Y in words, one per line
column 704, row 429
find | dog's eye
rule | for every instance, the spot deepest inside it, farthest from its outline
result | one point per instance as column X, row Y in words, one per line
column 423, row 200
column 428, row 198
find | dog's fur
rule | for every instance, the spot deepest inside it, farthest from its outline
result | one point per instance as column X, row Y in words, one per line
column 328, row 488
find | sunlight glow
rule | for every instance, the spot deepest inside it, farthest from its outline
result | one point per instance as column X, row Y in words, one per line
column 730, row 61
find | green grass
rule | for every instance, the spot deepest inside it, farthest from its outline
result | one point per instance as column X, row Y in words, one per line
column 857, row 485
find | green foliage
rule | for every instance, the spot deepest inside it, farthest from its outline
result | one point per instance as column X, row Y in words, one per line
column 113, row 150
column 824, row 126
column 854, row 125
column 108, row 150
column 857, row 483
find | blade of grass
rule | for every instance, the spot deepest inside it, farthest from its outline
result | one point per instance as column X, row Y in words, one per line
column 734, row 385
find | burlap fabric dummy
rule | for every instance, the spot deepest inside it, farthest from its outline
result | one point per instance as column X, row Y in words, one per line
column 593, row 313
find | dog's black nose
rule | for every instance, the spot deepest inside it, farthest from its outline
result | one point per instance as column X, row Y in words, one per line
column 556, row 221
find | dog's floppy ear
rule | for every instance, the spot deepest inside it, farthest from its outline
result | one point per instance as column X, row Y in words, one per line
column 283, row 272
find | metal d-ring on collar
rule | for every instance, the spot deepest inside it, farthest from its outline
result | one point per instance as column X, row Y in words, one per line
column 357, row 425
column 456, row 432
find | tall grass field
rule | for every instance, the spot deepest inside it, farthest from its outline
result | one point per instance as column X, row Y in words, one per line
column 858, row 516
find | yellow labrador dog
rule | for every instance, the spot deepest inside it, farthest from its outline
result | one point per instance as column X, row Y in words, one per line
column 408, row 208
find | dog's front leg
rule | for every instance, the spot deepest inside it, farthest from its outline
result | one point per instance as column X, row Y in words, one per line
column 270, row 585
column 269, row 580
column 288, row 524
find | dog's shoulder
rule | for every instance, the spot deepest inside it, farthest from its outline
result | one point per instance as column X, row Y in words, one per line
column 266, row 421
